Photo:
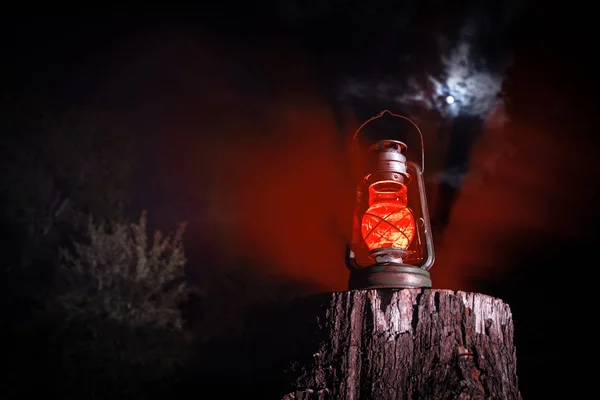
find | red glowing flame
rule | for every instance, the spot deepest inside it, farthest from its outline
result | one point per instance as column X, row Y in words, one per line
column 385, row 224
column 388, row 222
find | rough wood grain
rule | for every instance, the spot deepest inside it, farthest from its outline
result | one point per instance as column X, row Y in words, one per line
column 407, row 344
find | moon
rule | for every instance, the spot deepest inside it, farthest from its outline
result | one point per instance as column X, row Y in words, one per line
column 449, row 99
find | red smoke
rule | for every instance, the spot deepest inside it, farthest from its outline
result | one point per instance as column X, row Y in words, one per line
column 266, row 173
column 527, row 184
column 288, row 194
column 273, row 186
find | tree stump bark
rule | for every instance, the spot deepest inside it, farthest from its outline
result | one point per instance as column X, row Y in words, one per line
column 407, row 344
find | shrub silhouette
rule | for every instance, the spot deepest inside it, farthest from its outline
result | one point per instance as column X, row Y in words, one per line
column 115, row 301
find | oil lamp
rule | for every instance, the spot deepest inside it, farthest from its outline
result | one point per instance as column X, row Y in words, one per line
column 392, row 244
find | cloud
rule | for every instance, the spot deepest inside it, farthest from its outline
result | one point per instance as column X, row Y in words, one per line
column 462, row 54
column 474, row 90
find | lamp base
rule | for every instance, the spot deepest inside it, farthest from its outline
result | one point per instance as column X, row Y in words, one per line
column 393, row 276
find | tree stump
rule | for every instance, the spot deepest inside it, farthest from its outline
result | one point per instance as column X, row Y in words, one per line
column 407, row 344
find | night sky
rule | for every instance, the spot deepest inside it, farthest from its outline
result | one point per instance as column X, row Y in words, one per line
column 243, row 116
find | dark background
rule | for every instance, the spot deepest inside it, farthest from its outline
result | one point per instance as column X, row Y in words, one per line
column 186, row 78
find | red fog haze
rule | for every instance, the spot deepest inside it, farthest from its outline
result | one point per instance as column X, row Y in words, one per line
column 279, row 189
